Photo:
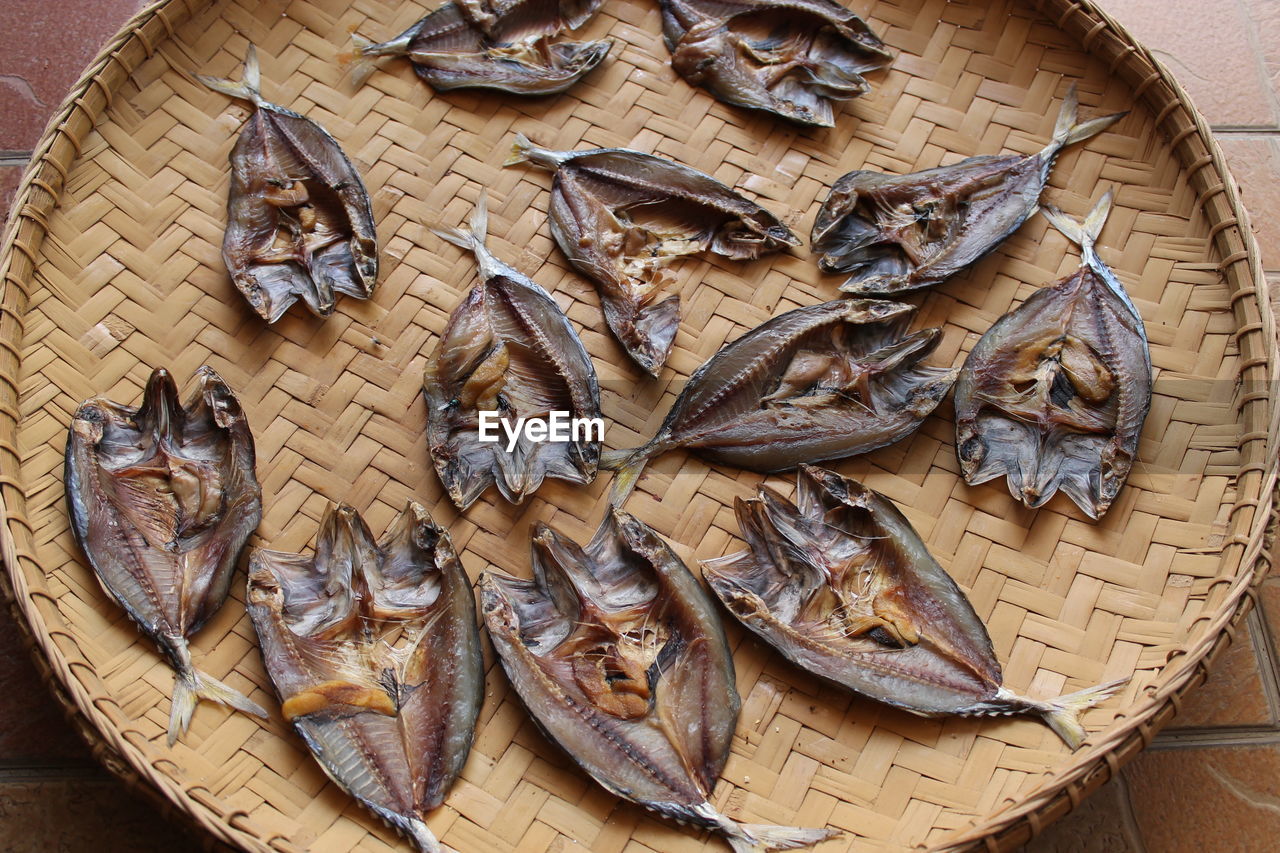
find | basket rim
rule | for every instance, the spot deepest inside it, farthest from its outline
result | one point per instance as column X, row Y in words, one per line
column 1014, row 821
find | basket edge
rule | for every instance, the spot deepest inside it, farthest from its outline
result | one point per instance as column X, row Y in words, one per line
column 1003, row 830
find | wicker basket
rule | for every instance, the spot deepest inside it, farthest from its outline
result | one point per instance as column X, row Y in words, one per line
column 111, row 266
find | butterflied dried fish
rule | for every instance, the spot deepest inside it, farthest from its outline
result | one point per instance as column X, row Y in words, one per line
column 844, row 588
column 789, row 57
column 375, row 652
column 620, row 656
column 622, row 217
column 820, row 382
column 508, row 354
column 299, row 223
column 902, row 232
column 510, row 46
column 1055, row 394
column 162, row 499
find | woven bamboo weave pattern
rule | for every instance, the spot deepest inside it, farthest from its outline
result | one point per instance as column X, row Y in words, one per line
column 113, row 267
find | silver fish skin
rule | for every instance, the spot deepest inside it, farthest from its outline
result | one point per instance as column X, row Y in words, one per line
column 819, row 382
column 163, row 499
column 1054, row 395
column 620, row 656
column 299, row 221
column 513, row 47
column 792, row 58
column 623, row 217
column 842, row 586
column 895, row 233
column 375, row 653
column 509, row 349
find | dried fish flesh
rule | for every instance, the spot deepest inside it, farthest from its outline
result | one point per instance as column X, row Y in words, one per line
column 902, row 232
column 844, row 588
column 299, row 223
column 162, row 500
column 1055, row 394
column 788, row 57
column 508, row 351
column 620, row 656
column 508, row 45
column 820, row 382
column 622, row 217
column 375, row 653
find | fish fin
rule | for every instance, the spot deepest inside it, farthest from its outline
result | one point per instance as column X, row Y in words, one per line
column 1063, row 714
column 1067, row 115
column 193, row 686
column 1085, row 234
column 629, row 464
column 519, row 150
column 250, row 86
column 1097, row 218
column 1064, row 223
column 473, row 240
column 524, row 151
column 763, row 837
column 1068, row 130
column 358, row 62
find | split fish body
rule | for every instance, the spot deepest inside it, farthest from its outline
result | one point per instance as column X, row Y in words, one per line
column 374, row 650
column 622, row 218
column 792, row 58
column 840, row 583
column 163, row 498
column 299, row 221
column 819, row 382
column 507, row 352
column 1054, row 395
column 895, row 233
column 619, row 655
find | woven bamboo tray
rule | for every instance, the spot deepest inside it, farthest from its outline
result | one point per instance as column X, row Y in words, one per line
column 111, row 267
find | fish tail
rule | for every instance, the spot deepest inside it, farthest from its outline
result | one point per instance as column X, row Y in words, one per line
column 1085, row 235
column 360, row 60
column 524, row 151
column 1063, row 714
column 191, row 687
column 629, row 464
column 763, row 837
column 1069, row 130
column 472, row 240
column 250, row 86
column 423, row 838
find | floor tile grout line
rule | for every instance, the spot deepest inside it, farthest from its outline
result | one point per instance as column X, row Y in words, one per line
column 1242, row 736
column 1129, row 818
column 39, row 771
column 1265, row 651
column 15, row 158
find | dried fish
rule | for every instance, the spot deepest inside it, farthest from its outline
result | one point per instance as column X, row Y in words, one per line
column 788, row 57
column 820, row 382
column 622, row 217
column 375, row 653
column 299, row 223
column 508, row 45
column 508, row 352
column 619, row 655
column 162, row 500
column 1055, row 394
column 844, row 588
column 903, row 232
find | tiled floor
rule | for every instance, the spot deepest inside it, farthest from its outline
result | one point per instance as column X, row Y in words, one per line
column 1207, row 784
